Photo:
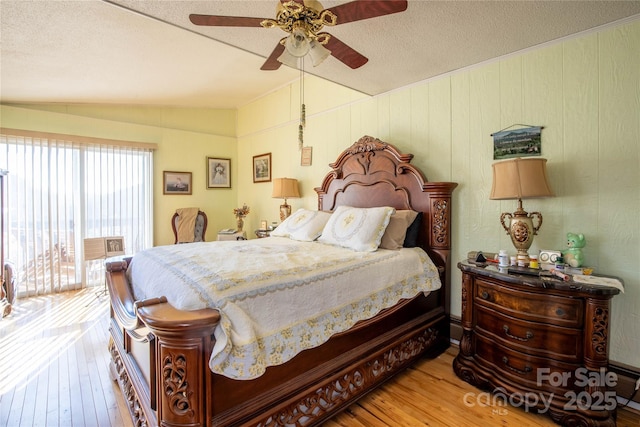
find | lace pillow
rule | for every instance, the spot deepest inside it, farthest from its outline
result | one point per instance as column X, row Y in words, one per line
column 303, row 225
column 360, row 229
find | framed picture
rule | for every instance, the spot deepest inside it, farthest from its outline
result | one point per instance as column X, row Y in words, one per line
column 525, row 142
column 305, row 156
column 218, row 173
column 114, row 245
column 176, row 182
column 262, row 168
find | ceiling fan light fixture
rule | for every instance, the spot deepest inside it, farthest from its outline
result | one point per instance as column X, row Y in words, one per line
column 304, row 20
column 318, row 52
column 287, row 59
column 297, row 44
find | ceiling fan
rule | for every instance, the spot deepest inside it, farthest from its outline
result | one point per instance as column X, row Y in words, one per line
column 304, row 20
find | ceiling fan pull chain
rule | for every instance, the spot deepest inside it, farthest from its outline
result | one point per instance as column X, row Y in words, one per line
column 303, row 114
column 300, row 137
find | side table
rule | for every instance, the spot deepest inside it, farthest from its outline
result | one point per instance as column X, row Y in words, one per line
column 539, row 338
column 238, row 235
column 262, row 233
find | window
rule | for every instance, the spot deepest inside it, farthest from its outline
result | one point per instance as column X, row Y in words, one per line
column 62, row 189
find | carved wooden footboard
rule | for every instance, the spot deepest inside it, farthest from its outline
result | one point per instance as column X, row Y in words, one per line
column 160, row 355
column 304, row 391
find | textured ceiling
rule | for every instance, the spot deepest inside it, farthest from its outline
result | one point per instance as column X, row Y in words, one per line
column 148, row 52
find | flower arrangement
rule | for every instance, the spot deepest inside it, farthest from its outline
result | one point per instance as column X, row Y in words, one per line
column 241, row 212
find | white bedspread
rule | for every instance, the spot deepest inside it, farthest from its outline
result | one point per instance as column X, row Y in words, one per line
column 276, row 296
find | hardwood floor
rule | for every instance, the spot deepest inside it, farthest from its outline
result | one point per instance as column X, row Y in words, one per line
column 54, row 372
column 54, row 364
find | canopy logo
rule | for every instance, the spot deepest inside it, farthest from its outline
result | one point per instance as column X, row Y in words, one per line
column 500, row 399
column 596, row 394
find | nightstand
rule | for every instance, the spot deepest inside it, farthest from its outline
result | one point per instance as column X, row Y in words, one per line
column 537, row 342
column 238, row 235
column 263, row 233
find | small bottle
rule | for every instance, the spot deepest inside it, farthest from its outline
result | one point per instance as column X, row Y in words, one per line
column 533, row 261
column 503, row 258
column 514, row 261
column 559, row 264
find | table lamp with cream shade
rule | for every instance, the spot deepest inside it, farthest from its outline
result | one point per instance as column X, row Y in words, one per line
column 520, row 179
column 285, row 188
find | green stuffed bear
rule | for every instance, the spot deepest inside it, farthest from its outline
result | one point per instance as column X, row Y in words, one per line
column 573, row 256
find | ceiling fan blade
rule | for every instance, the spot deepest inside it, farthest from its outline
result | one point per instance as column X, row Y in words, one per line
column 364, row 9
column 344, row 53
column 272, row 62
column 225, row 21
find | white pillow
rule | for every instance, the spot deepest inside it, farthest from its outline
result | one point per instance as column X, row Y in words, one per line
column 303, row 224
column 359, row 229
column 394, row 235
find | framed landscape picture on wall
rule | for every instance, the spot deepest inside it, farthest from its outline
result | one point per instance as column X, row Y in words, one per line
column 176, row 182
column 218, row 173
column 262, row 168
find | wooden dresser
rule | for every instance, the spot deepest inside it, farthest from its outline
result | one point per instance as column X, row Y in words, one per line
column 538, row 343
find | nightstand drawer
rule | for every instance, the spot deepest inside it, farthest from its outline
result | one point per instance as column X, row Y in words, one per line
column 531, row 371
column 530, row 337
column 538, row 307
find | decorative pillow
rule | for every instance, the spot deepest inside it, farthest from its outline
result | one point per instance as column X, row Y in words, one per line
column 411, row 240
column 394, row 235
column 303, row 224
column 360, row 229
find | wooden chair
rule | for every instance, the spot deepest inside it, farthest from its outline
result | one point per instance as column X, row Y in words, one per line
column 200, row 228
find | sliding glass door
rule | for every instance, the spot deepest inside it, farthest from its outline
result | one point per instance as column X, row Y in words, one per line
column 61, row 191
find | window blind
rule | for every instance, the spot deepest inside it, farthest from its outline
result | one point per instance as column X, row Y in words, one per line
column 61, row 189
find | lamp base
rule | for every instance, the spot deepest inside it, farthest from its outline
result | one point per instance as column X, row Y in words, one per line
column 285, row 211
column 520, row 227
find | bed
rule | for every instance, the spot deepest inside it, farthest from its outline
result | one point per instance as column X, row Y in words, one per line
column 162, row 353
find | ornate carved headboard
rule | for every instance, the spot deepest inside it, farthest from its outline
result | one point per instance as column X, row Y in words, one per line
column 374, row 173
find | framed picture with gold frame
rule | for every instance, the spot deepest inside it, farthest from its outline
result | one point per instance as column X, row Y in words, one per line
column 262, row 168
column 176, row 183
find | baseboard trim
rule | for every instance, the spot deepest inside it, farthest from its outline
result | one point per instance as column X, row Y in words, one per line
column 627, row 375
column 455, row 328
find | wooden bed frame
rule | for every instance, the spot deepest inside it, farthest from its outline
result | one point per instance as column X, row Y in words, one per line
column 160, row 354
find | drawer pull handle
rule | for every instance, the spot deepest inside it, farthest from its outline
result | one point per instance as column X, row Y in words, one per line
column 527, row 336
column 526, row 370
column 560, row 312
column 484, row 295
